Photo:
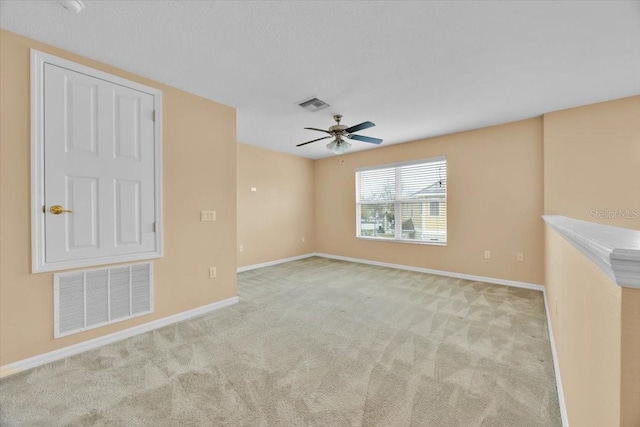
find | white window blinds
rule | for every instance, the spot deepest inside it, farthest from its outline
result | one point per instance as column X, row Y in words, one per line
column 405, row 201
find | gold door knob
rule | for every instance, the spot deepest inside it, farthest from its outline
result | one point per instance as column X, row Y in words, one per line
column 57, row 210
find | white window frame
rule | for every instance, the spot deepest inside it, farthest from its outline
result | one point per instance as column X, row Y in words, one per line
column 38, row 260
column 397, row 203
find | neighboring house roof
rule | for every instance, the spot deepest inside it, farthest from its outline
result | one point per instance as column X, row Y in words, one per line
column 435, row 188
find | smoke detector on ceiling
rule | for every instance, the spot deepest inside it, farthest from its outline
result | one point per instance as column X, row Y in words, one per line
column 314, row 104
column 73, row 6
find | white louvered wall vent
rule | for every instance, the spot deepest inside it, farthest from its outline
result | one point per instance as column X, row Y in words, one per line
column 88, row 299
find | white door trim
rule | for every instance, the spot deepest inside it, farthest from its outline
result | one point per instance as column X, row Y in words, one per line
column 38, row 261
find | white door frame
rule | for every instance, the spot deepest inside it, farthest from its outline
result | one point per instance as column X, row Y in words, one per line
column 38, row 260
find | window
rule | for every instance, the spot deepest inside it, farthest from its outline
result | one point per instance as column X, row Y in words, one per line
column 434, row 208
column 403, row 202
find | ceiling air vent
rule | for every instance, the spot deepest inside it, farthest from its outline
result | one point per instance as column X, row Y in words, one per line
column 313, row 104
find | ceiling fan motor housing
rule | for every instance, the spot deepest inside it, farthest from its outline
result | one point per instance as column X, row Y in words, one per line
column 337, row 128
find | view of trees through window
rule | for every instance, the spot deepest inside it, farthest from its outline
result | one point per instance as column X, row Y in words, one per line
column 403, row 201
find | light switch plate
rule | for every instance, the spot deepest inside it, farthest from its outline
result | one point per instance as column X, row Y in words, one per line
column 207, row 215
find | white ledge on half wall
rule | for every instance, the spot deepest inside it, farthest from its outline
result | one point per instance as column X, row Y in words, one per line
column 615, row 250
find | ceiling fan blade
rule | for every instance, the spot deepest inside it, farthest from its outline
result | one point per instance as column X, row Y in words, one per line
column 309, row 142
column 356, row 128
column 320, row 130
column 365, row 139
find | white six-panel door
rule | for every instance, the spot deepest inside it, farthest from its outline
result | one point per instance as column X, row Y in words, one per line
column 99, row 154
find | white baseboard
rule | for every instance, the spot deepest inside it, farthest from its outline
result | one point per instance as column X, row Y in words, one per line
column 556, row 365
column 437, row 272
column 276, row 262
column 52, row 356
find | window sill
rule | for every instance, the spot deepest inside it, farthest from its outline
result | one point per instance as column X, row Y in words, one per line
column 413, row 242
column 615, row 250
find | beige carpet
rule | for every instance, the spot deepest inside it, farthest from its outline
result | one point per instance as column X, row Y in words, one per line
column 315, row 342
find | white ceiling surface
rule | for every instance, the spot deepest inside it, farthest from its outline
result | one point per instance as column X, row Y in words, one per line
column 416, row 69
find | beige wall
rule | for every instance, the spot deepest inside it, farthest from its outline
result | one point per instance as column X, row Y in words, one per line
column 273, row 220
column 199, row 173
column 586, row 328
column 592, row 162
column 494, row 203
column 630, row 358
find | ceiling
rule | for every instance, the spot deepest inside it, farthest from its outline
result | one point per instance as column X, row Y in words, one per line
column 416, row 69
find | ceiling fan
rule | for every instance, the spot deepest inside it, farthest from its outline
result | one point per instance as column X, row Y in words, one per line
column 339, row 145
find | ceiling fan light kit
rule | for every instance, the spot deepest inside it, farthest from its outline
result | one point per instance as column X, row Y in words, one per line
column 339, row 145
